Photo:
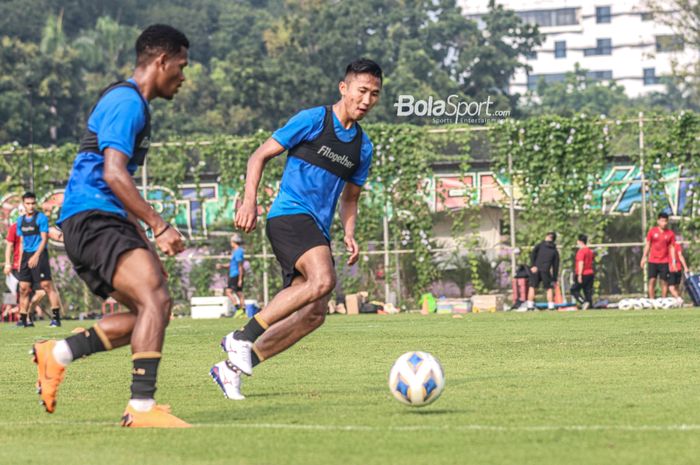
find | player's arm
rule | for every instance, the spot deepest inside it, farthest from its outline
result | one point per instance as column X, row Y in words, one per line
column 55, row 234
column 117, row 177
column 9, row 248
column 681, row 258
column 579, row 270
column 555, row 265
column 240, row 273
column 247, row 214
column 533, row 258
column 645, row 253
column 34, row 259
column 348, row 217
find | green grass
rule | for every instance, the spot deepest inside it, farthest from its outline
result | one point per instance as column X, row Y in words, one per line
column 537, row 388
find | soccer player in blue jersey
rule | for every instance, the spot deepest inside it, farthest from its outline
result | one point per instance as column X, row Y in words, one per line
column 34, row 271
column 234, row 286
column 104, row 240
column 329, row 157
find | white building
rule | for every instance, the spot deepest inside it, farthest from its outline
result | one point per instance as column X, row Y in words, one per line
column 619, row 40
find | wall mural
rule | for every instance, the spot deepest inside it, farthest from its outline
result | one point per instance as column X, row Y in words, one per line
column 213, row 207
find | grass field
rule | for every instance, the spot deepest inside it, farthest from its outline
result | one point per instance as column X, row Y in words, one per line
column 537, row 388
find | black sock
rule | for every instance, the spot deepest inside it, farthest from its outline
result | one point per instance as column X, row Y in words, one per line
column 251, row 331
column 143, row 377
column 85, row 343
column 254, row 358
column 23, row 318
column 56, row 313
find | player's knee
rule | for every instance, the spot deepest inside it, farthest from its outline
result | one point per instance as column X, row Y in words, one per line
column 322, row 285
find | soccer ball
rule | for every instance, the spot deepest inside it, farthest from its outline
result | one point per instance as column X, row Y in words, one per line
column 416, row 379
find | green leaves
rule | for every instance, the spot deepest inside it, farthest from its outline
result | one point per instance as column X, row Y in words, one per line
column 556, row 164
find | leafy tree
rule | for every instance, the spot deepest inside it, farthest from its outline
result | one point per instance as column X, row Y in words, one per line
column 577, row 93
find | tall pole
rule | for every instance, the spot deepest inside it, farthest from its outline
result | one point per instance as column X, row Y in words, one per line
column 642, row 179
column 512, row 215
column 386, row 253
column 30, row 88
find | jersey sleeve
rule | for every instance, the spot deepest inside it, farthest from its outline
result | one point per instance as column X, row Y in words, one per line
column 649, row 235
column 43, row 222
column 122, row 118
column 366, row 154
column 305, row 125
column 11, row 234
column 19, row 226
column 239, row 254
column 579, row 258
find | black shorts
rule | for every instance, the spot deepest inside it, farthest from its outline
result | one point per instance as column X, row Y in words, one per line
column 291, row 236
column 41, row 272
column 659, row 270
column 94, row 242
column 674, row 278
column 233, row 284
column 543, row 277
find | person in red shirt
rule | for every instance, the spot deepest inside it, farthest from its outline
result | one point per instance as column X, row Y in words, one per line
column 660, row 249
column 13, row 250
column 583, row 273
column 676, row 269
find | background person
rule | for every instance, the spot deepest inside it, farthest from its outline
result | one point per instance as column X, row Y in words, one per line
column 659, row 247
column 584, row 275
column 676, row 269
column 544, row 268
column 234, row 287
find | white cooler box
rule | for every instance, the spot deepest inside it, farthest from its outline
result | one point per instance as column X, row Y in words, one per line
column 210, row 307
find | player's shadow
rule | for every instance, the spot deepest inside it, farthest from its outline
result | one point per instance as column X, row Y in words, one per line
column 442, row 411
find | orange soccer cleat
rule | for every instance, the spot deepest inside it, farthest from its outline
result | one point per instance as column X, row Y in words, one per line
column 158, row 417
column 50, row 373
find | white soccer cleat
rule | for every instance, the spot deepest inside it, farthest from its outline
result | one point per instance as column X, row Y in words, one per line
column 238, row 353
column 228, row 379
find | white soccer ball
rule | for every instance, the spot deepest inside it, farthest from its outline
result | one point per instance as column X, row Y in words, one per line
column 416, row 379
column 646, row 303
column 626, row 304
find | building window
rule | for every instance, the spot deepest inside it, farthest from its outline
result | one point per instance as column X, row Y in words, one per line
column 534, row 79
column 648, row 16
column 600, row 75
column 650, row 77
column 560, row 49
column 602, row 14
column 549, row 18
column 669, row 43
column 531, row 56
column 603, row 47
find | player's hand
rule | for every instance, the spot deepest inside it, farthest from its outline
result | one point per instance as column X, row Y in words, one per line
column 240, row 283
column 33, row 261
column 8, row 269
column 170, row 241
column 247, row 216
column 580, row 279
column 641, row 264
column 352, row 248
column 533, row 269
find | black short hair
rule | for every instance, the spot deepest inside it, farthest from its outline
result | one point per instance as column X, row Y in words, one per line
column 28, row 195
column 663, row 215
column 553, row 234
column 364, row 66
column 583, row 238
column 159, row 38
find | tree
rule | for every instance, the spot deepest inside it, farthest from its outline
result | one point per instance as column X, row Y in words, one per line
column 577, row 93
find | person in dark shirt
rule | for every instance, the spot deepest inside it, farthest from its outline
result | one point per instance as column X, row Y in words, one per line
column 544, row 268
